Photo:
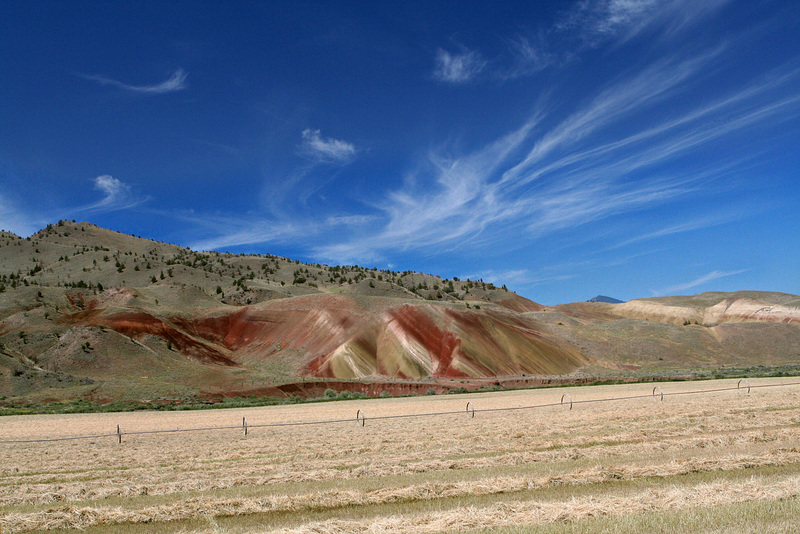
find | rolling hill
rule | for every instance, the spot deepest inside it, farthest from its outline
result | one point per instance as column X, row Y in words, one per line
column 90, row 313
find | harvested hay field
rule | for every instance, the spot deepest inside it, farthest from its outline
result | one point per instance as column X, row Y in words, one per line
column 716, row 461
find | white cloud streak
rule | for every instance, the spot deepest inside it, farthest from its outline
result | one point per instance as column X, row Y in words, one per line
column 587, row 25
column 117, row 195
column 687, row 226
column 599, row 21
column 113, row 188
column 613, row 103
column 536, row 181
column 17, row 220
column 612, row 155
column 510, row 277
column 458, row 68
column 238, row 230
column 710, row 277
column 326, row 149
column 527, row 59
column 349, row 220
column 176, row 82
column 249, row 231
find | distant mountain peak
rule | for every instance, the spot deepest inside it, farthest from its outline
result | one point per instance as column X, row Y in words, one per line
column 608, row 300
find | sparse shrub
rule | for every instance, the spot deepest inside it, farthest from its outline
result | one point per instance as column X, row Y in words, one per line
column 350, row 395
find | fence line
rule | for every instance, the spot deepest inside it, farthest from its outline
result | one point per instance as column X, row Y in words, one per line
column 361, row 418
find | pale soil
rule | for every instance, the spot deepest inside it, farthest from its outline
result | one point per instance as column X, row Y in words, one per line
column 421, row 474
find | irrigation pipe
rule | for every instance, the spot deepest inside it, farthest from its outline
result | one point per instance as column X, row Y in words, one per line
column 361, row 418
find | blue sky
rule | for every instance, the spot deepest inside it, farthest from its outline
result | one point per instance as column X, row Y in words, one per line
column 630, row 148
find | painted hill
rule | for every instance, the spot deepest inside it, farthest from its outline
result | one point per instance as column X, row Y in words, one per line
column 714, row 308
column 90, row 313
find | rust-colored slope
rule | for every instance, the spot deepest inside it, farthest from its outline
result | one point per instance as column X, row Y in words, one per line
column 138, row 323
column 143, row 323
column 414, row 341
column 338, row 336
column 519, row 304
column 344, row 337
column 408, row 342
column 311, row 324
column 509, row 344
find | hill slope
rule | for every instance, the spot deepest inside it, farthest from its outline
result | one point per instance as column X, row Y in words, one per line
column 91, row 313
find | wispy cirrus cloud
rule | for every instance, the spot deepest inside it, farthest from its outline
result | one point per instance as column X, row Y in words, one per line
column 688, row 226
column 601, row 21
column 14, row 218
column 567, row 166
column 248, row 230
column 515, row 277
column 586, row 25
column 527, row 57
column 176, row 82
column 284, row 222
column 349, row 220
column 323, row 149
column 613, row 103
column 710, row 277
column 607, row 17
column 112, row 187
column 547, row 176
column 24, row 221
column 538, row 180
column 692, row 225
column 458, row 68
column 116, row 195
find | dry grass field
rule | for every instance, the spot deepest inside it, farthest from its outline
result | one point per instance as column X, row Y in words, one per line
column 714, row 462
